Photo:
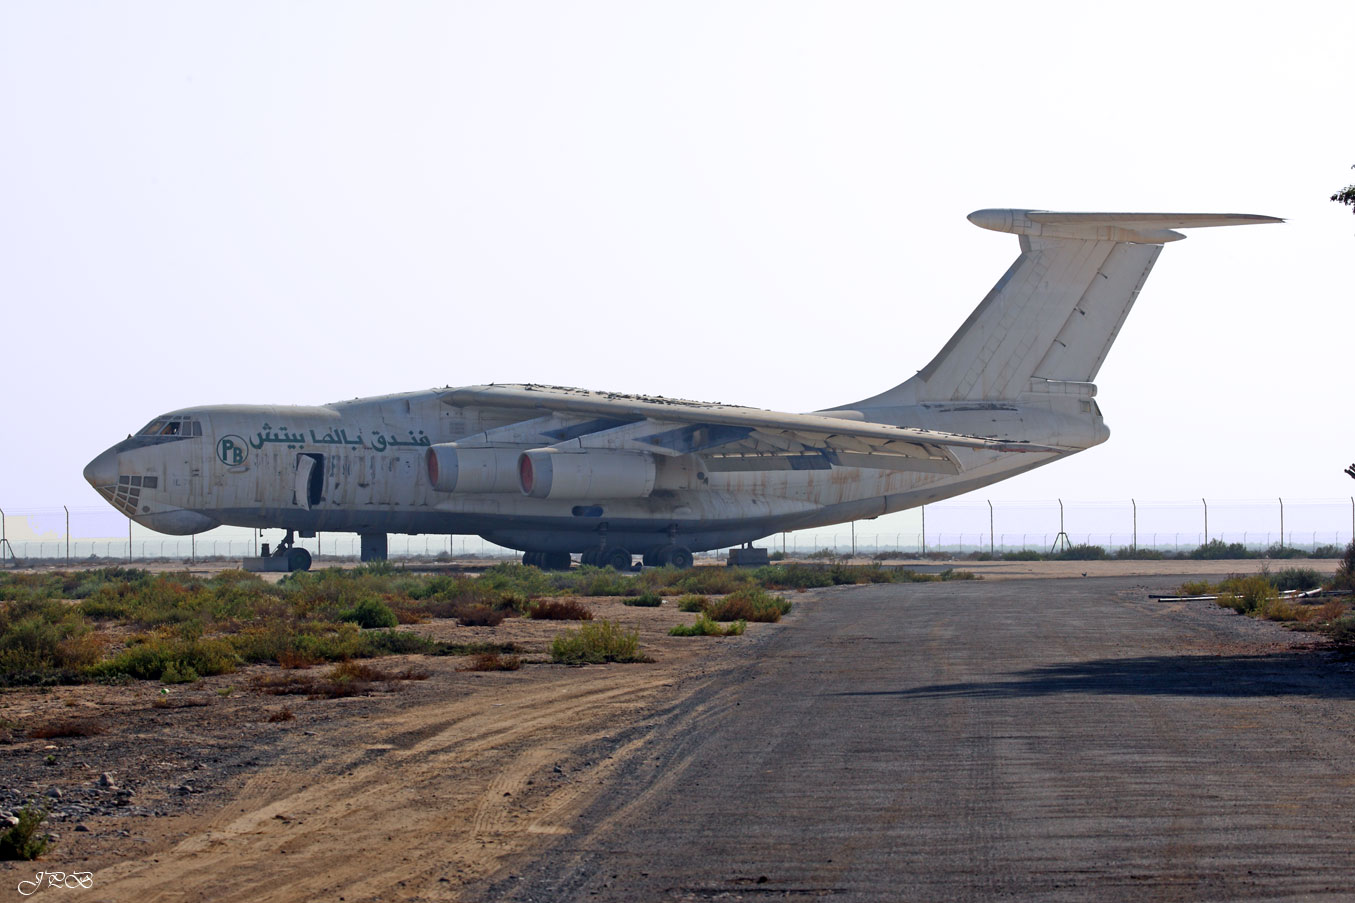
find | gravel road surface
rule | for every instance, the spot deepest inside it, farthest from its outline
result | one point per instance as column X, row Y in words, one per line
column 1023, row 739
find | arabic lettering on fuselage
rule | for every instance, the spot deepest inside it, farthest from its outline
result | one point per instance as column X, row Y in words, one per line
column 377, row 441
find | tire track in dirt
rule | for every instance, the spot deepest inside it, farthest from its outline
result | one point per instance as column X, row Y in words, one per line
column 428, row 798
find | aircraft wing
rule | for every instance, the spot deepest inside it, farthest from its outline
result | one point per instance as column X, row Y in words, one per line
column 727, row 437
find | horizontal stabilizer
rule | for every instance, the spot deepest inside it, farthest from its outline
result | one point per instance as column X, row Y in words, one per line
column 1143, row 228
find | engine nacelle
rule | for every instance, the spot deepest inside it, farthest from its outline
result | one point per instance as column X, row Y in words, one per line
column 544, row 473
column 454, row 469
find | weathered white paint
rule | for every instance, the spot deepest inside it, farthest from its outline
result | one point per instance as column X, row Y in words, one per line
column 1012, row 390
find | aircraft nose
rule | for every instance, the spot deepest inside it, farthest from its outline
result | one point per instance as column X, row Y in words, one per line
column 103, row 470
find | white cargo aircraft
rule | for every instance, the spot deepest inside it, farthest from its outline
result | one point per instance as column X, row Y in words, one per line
column 553, row 471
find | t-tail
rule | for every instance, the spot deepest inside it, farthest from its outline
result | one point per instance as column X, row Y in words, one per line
column 1048, row 324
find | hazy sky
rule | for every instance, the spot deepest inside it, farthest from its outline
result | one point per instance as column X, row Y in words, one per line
column 755, row 203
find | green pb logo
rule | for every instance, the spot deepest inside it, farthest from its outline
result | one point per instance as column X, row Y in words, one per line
column 232, row 450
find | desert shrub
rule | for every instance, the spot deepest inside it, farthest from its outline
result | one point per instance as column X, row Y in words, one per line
column 173, row 658
column 1273, row 608
column 1132, row 554
column 282, row 714
column 1301, row 579
column 1246, row 595
column 591, row 581
column 292, row 659
column 1081, row 552
column 596, row 642
column 1195, row 588
column 22, row 841
column 1327, row 551
column 43, row 639
column 1279, row 550
column 477, row 615
column 952, row 574
column 1342, row 631
column 476, row 648
column 1331, row 610
column 908, row 575
column 710, row 581
column 520, row 578
column 645, row 600
column 1344, row 578
column 753, row 604
column 794, row 576
column 559, row 610
column 370, row 613
column 492, row 661
column 692, row 602
column 347, row 678
column 704, row 626
column 1022, row 555
column 1217, row 549
column 375, row 643
column 823, row 555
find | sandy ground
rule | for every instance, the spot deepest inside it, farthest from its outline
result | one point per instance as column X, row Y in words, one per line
column 404, row 794
column 417, row 792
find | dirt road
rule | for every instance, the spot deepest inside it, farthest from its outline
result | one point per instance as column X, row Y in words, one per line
column 1037, row 739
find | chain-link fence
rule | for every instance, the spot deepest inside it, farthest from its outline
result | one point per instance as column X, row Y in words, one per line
column 99, row 534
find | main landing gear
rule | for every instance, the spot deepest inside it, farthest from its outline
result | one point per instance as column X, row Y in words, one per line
column 607, row 557
column 676, row 556
column 547, row 561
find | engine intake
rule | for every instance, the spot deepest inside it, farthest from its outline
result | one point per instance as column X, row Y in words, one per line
column 545, row 473
column 453, row 469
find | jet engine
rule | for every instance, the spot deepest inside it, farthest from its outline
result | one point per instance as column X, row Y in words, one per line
column 545, row 473
column 454, row 469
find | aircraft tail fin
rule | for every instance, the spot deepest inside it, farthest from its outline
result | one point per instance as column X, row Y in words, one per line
column 1055, row 313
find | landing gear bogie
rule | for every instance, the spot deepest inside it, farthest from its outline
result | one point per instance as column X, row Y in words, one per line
column 547, row 561
column 676, row 556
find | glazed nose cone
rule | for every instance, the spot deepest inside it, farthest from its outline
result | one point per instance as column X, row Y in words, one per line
column 103, row 470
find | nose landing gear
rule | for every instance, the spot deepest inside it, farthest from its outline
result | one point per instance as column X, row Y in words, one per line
column 287, row 557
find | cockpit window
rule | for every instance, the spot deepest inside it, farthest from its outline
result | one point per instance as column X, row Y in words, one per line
column 177, row 426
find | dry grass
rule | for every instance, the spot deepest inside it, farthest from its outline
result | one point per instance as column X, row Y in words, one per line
column 477, row 614
column 560, row 610
column 184, row 702
column 344, row 679
column 293, row 660
column 282, row 714
column 492, row 661
column 1332, row 610
column 67, row 727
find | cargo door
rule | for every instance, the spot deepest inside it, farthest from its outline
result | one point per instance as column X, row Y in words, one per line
column 309, row 481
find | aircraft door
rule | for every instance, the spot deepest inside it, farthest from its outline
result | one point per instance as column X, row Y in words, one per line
column 309, row 481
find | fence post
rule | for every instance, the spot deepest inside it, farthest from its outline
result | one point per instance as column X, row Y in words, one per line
column 1134, row 546
column 990, row 527
column 68, row 534
column 924, row 526
column 1281, row 523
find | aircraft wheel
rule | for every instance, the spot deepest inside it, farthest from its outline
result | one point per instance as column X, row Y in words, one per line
column 532, row 559
column 652, row 559
column 298, row 559
column 555, row 561
column 679, row 557
column 615, row 557
column 590, row 556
